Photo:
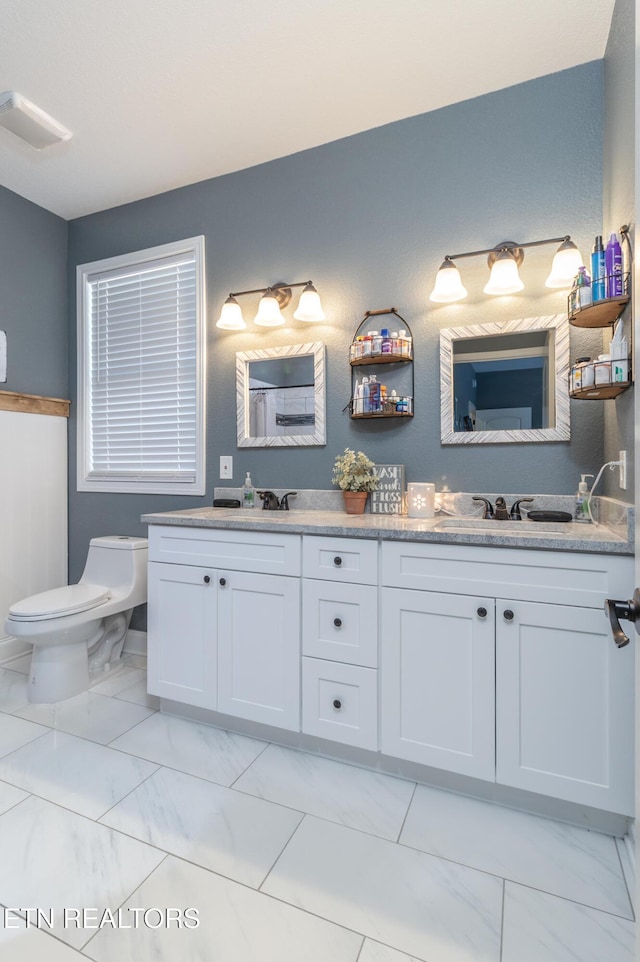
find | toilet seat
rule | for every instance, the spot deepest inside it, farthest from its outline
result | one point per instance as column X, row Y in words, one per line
column 59, row 602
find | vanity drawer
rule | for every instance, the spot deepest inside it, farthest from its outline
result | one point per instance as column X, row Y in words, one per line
column 340, row 559
column 558, row 577
column 340, row 702
column 340, row 622
column 261, row 551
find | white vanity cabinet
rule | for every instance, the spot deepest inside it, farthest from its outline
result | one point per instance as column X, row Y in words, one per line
column 438, row 675
column 340, row 640
column 563, row 694
column 224, row 621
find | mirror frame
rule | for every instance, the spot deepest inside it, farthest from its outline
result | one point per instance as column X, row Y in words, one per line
column 561, row 432
column 243, row 359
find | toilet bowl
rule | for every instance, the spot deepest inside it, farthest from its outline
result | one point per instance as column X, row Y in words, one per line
column 78, row 631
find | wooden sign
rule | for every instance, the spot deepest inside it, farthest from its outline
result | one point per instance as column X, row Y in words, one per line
column 389, row 497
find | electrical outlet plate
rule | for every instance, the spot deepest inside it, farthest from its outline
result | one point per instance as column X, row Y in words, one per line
column 623, row 470
column 226, row 467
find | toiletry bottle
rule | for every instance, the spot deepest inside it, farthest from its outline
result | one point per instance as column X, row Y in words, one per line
column 613, row 267
column 376, row 342
column 386, row 341
column 395, row 343
column 583, row 284
column 248, row 493
column 405, row 343
column 582, row 500
column 598, row 271
column 619, row 354
column 364, row 405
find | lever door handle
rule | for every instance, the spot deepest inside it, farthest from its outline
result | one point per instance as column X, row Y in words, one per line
column 628, row 611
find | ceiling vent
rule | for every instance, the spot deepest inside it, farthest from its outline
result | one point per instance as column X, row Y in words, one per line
column 29, row 122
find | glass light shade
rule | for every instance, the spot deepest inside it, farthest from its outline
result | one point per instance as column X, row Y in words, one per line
column 448, row 286
column 231, row 318
column 421, row 497
column 566, row 261
column 504, row 277
column 309, row 306
column 269, row 314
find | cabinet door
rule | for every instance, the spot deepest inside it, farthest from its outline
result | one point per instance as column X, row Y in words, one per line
column 438, row 680
column 259, row 648
column 181, row 633
column 564, row 701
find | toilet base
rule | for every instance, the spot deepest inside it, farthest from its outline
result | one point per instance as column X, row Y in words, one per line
column 58, row 672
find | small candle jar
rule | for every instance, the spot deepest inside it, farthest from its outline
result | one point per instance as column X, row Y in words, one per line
column 421, row 497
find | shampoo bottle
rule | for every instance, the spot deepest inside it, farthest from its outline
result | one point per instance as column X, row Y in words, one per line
column 613, row 267
column 582, row 500
column 598, row 271
column 248, row 493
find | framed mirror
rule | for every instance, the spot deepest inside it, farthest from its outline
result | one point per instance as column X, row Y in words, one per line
column 505, row 382
column 281, row 396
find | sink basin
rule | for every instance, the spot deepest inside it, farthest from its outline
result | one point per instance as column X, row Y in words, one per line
column 491, row 526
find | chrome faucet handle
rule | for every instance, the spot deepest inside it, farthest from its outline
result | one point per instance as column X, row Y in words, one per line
column 488, row 507
column 514, row 514
column 284, row 500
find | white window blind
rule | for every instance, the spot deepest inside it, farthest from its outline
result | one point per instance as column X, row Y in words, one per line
column 142, row 398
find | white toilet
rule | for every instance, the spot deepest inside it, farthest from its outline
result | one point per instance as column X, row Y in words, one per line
column 78, row 632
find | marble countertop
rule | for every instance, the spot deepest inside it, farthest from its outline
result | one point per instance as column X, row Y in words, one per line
column 572, row 536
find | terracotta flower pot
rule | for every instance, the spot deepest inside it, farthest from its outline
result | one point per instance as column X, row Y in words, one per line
column 355, row 501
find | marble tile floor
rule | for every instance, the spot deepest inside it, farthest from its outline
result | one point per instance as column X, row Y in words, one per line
column 106, row 804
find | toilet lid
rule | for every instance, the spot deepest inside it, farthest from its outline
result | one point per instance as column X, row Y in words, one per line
column 59, row 602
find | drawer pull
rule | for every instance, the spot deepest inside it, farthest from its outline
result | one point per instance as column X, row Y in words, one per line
column 337, row 561
column 337, row 622
column 482, row 612
column 508, row 615
column 206, row 579
column 222, row 582
column 337, row 704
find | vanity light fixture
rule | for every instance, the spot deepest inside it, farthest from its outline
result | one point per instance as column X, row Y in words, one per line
column 273, row 300
column 504, row 261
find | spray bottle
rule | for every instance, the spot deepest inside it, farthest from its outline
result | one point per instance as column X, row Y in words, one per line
column 582, row 500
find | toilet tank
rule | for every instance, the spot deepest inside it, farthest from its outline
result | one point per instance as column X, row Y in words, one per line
column 118, row 561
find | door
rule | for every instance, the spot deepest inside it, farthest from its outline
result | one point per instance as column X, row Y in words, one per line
column 259, row 648
column 438, row 684
column 564, row 705
column 181, row 633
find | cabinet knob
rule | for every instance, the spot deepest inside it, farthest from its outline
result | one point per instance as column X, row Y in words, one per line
column 337, row 704
column 206, row 579
column 337, row 561
column 222, row 582
column 337, row 622
column 508, row 615
column 482, row 612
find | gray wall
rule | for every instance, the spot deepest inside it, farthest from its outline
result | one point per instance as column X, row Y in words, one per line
column 618, row 209
column 33, row 296
column 369, row 219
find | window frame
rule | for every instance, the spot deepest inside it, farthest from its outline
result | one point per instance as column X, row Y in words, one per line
column 84, row 274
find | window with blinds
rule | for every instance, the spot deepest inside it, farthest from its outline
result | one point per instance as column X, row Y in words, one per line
column 141, row 359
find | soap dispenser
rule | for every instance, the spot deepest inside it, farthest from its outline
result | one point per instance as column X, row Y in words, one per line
column 582, row 501
column 248, row 493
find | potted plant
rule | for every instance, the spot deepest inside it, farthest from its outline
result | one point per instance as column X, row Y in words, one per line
column 353, row 473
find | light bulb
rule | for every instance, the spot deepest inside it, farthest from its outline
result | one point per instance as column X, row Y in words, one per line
column 504, row 277
column 309, row 306
column 448, row 286
column 566, row 261
column 231, row 318
column 269, row 314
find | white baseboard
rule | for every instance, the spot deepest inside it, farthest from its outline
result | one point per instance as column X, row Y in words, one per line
column 136, row 642
column 11, row 648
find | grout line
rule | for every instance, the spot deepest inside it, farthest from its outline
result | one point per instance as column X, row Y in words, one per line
column 624, row 878
column 406, row 814
column 280, row 854
column 504, row 889
column 565, row 898
column 259, row 755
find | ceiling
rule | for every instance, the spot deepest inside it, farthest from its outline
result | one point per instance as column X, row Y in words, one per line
column 160, row 94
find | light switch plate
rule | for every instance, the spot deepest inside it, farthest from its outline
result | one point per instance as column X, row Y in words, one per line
column 226, row 467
